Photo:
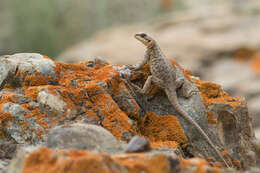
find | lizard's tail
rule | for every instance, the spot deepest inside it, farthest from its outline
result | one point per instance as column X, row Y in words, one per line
column 172, row 96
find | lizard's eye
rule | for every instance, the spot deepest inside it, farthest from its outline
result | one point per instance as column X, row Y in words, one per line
column 143, row 35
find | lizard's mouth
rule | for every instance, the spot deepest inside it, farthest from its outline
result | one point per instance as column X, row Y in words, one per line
column 143, row 40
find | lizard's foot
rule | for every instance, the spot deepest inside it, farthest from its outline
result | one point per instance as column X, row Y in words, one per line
column 137, row 88
column 179, row 82
column 188, row 90
column 131, row 67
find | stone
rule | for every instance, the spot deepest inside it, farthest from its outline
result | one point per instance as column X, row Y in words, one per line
column 83, row 137
column 82, row 161
column 17, row 163
column 7, row 150
column 138, row 144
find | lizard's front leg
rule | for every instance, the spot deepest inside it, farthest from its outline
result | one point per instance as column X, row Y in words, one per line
column 140, row 65
column 146, row 86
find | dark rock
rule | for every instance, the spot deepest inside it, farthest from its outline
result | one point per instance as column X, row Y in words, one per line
column 7, row 150
column 174, row 164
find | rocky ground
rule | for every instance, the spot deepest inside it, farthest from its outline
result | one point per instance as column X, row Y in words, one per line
column 60, row 117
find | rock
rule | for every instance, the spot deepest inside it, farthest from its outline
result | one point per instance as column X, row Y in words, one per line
column 45, row 94
column 229, row 112
column 257, row 133
column 254, row 110
column 17, row 163
column 7, row 150
column 138, row 144
column 35, row 101
column 3, row 165
column 81, row 161
column 83, row 137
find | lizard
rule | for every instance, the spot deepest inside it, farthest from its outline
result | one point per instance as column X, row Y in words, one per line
column 164, row 76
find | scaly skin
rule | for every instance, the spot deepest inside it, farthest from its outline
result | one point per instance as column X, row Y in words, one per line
column 164, row 76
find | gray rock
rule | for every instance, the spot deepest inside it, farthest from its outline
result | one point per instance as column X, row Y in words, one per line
column 257, row 133
column 236, row 132
column 3, row 165
column 254, row 109
column 7, row 150
column 32, row 62
column 17, row 163
column 51, row 100
column 29, row 63
column 7, row 70
column 83, row 137
column 15, row 130
column 138, row 144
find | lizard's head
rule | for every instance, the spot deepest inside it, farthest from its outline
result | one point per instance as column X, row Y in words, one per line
column 145, row 39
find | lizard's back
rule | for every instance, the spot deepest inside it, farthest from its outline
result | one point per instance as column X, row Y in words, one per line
column 160, row 67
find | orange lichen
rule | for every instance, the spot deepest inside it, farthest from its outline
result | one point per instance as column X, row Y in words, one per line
column 237, row 164
column 7, row 97
column 2, row 135
column 77, row 161
column 201, row 165
column 143, row 163
column 211, row 118
column 243, row 54
column 213, row 93
column 227, row 157
column 162, row 128
column 32, row 92
column 255, row 63
column 211, row 160
column 46, row 57
column 162, row 144
column 218, row 165
column 4, row 117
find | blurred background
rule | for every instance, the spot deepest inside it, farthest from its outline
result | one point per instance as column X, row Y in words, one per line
column 217, row 40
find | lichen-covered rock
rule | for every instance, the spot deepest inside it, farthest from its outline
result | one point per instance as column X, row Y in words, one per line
column 83, row 137
column 42, row 94
column 230, row 119
column 38, row 94
column 57, row 161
